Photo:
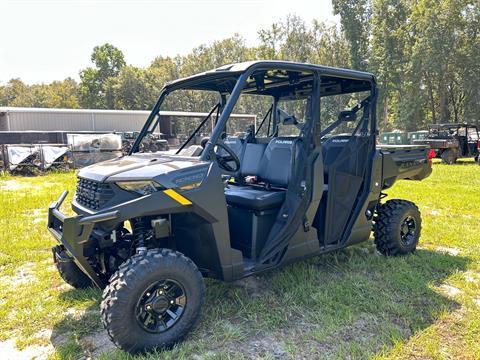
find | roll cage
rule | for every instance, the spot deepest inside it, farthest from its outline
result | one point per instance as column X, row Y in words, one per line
column 449, row 129
column 274, row 78
column 346, row 161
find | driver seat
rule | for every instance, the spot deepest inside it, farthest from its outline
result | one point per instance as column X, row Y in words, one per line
column 238, row 145
column 274, row 170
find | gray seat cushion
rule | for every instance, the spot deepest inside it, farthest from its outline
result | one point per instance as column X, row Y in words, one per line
column 254, row 198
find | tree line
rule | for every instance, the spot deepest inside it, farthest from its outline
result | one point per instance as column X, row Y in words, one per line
column 425, row 53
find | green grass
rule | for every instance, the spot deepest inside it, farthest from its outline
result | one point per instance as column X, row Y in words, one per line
column 351, row 303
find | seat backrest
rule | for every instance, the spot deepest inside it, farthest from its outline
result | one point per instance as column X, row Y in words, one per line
column 332, row 147
column 278, row 161
column 236, row 144
column 252, row 156
column 346, row 161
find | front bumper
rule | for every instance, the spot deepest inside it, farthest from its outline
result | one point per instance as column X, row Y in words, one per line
column 74, row 232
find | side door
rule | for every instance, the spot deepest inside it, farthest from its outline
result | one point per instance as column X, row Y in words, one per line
column 348, row 157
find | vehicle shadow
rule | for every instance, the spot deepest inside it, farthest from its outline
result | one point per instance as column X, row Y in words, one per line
column 80, row 331
column 348, row 301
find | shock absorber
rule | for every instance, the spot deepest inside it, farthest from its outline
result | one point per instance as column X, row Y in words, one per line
column 139, row 235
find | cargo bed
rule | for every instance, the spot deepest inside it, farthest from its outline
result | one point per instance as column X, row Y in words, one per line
column 407, row 162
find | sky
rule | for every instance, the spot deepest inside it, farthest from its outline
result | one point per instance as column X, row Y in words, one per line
column 46, row 40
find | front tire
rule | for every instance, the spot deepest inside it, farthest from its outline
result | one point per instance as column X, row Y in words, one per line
column 70, row 272
column 397, row 227
column 152, row 301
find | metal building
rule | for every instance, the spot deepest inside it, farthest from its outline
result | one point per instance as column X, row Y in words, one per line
column 46, row 119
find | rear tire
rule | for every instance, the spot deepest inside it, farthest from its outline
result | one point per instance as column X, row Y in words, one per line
column 449, row 156
column 70, row 272
column 152, row 301
column 397, row 227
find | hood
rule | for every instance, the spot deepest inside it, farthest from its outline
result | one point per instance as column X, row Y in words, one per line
column 137, row 167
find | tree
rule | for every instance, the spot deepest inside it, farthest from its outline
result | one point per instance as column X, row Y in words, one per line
column 130, row 90
column 16, row 93
column 329, row 46
column 64, row 94
column 207, row 57
column 389, row 49
column 425, row 54
column 270, row 42
column 108, row 61
column 355, row 18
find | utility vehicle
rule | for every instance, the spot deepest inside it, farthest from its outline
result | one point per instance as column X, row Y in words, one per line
column 452, row 141
column 308, row 179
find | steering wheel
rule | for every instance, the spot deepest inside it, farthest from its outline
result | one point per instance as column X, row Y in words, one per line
column 223, row 161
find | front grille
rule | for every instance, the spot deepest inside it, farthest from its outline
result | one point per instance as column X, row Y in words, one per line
column 93, row 194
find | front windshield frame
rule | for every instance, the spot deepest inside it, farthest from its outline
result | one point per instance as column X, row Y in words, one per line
column 189, row 84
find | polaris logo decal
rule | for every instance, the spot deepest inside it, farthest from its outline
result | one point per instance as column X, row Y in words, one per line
column 189, row 178
column 289, row 142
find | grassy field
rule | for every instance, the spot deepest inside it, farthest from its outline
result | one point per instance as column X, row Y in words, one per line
column 349, row 304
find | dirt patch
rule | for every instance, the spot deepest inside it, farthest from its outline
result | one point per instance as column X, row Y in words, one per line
column 24, row 275
column 8, row 351
column 254, row 285
column 38, row 215
column 42, row 347
column 450, row 291
column 364, row 330
column 95, row 344
column 447, row 250
column 472, row 277
column 261, row 346
column 13, row 185
column 77, row 314
column 44, row 334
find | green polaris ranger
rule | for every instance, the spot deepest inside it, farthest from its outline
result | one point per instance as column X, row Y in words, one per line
column 306, row 179
column 451, row 141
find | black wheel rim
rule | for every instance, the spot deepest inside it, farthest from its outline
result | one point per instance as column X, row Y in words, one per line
column 161, row 306
column 407, row 231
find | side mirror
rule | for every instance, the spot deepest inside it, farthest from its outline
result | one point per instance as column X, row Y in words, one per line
column 347, row 116
column 285, row 118
column 291, row 120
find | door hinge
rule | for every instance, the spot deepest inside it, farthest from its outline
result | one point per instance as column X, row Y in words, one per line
column 306, row 225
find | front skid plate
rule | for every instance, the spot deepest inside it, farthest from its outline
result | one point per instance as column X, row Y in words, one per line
column 73, row 232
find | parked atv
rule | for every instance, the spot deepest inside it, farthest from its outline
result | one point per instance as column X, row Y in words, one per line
column 452, row 141
column 150, row 226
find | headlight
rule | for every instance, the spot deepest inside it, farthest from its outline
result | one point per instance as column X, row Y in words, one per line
column 140, row 187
